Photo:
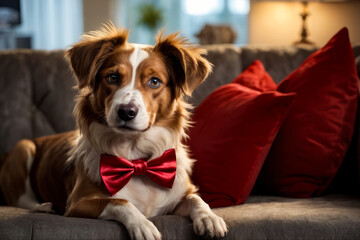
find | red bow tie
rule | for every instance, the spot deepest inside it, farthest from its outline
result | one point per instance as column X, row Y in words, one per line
column 116, row 172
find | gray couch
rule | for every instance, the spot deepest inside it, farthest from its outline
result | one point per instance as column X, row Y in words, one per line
column 36, row 98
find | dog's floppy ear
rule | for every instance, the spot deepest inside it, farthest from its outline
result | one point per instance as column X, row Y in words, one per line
column 186, row 66
column 87, row 56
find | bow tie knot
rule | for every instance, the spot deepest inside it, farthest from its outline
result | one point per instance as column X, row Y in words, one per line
column 140, row 167
column 116, row 172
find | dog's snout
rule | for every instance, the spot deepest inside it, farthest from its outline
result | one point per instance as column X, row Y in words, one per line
column 127, row 112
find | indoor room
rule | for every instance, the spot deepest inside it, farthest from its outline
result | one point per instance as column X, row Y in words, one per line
column 179, row 119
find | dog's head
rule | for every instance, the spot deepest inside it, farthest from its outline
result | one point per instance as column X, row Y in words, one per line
column 131, row 87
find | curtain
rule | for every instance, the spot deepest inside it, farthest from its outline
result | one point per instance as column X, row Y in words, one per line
column 52, row 24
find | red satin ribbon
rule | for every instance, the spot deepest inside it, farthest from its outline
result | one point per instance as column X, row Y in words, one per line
column 116, row 172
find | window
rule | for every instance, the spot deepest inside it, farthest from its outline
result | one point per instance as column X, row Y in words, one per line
column 51, row 24
column 187, row 16
column 57, row 24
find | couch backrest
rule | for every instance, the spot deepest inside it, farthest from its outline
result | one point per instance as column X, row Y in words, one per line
column 36, row 95
column 229, row 61
column 227, row 65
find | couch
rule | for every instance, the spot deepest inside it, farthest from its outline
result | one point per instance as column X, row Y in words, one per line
column 37, row 98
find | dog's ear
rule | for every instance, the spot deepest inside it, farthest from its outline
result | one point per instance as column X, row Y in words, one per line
column 87, row 56
column 186, row 65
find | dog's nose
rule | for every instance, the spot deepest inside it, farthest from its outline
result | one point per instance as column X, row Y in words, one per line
column 127, row 112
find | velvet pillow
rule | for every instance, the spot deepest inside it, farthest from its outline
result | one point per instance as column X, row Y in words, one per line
column 256, row 77
column 312, row 142
column 233, row 130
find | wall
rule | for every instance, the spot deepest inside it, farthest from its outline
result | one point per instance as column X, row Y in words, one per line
column 97, row 12
column 279, row 23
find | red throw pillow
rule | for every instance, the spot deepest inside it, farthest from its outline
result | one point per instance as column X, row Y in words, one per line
column 255, row 77
column 317, row 132
column 233, row 130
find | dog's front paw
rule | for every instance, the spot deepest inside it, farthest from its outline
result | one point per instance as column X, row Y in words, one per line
column 143, row 230
column 211, row 225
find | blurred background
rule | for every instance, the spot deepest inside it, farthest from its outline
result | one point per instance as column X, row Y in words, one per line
column 56, row 24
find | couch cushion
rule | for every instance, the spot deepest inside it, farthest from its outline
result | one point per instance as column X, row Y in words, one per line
column 256, row 77
column 16, row 223
column 261, row 217
column 233, row 130
column 316, row 134
column 267, row 217
column 36, row 95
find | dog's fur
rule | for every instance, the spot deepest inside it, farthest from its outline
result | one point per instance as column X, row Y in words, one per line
column 61, row 173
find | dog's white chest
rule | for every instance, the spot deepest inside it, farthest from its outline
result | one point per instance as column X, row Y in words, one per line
column 149, row 198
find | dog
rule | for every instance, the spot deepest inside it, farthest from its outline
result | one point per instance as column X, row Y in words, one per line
column 130, row 107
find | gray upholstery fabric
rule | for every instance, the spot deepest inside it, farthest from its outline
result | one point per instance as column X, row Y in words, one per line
column 261, row 217
column 266, row 217
column 22, row 224
column 36, row 95
column 18, row 223
column 36, row 98
column 226, row 66
column 278, row 61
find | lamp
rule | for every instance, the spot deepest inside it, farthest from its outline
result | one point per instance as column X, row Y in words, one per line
column 304, row 32
column 304, row 15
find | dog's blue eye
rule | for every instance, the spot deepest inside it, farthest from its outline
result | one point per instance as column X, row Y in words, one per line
column 113, row 78
column 154, row 82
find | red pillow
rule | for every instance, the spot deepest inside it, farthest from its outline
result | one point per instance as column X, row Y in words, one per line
column 255, row 77
column 317, row 132
column 233, row 131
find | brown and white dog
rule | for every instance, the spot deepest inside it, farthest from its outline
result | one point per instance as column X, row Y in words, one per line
column 130, row 104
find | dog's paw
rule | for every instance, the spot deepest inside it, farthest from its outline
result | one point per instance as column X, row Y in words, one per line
column 143, row 230
column 210, row 225
column 44, row 207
